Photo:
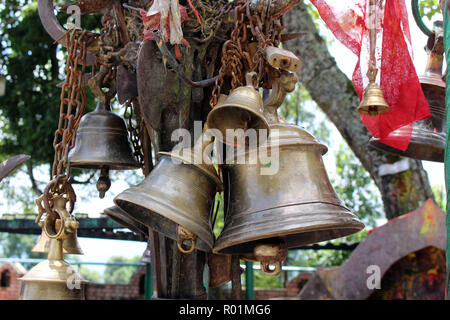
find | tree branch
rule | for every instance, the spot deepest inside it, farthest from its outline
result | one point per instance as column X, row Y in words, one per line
column 34, row 185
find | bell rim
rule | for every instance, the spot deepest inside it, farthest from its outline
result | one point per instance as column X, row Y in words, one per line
column 231, row 239
column 432, row 79
column 127, row 196
column 98, row 164
column 136, row 229
column 259, row 115
column 364, row 109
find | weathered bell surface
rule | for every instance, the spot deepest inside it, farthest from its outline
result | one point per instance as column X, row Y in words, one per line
column 175, row 199
column 294, row 206
column 428, row 135
column 102, row 141
column 373, row 102
column 70, row 244
column 242, row 109
column 53, row 279
column 124, row 219
column 219, row 266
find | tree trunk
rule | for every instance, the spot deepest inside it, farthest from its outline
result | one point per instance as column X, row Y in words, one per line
column 334, row 93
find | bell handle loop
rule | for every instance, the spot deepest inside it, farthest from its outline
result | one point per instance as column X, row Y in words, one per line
column 67, row 224
column 265, row 268
column 251, row 79
column 191, row 248
column 372, row 73
column 280, row 88
column 185, row 234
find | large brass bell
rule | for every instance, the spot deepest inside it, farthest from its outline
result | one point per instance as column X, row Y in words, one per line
column 102, row 143
column 428, row 135
column 242, row 109
column 54, row 278
column 176, row 199
column 296, row 205
column 122, row 218
column 373, row 102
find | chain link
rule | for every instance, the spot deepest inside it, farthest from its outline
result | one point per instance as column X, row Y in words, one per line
column 246, row 49
column 134, row 132
column 72, row 107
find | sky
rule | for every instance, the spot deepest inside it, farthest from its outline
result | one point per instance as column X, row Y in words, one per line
column 98, row 250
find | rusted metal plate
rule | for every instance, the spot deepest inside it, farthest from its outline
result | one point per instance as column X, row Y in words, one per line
column 10, row 164
column 418, row 276
column 385, row 245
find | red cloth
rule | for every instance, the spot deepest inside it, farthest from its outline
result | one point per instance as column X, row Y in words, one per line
column 397, row 76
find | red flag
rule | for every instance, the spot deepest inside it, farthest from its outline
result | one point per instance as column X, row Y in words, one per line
column 397, row 77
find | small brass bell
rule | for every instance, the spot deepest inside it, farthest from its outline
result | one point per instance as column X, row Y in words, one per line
column 242, row 109
column 373, row 102
column 102, row 143
column 176, row 199
column 147, row 255
column 70, row 244
column 294, row 206
column 122, row 218
column 54, row 278
column 428, row 136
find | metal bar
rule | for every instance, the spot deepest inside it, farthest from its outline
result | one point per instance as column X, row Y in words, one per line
column 148, row 282
column 249, row 281
column 27, row 260
column 447, row 154
column 418, row 18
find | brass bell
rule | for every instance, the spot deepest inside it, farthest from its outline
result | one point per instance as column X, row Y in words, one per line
column 102, row 143
column 242, row 109
column 373, row 102
column 176, row 199
column 428, row 136
column 147, row 255
column 53, row 279
column 295, row 205
column 122, row 218
column 70, row 244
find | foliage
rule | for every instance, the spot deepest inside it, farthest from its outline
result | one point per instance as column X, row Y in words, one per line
column 93, row 276
column 439, row 196
column 120, row 274
column 13, row 245
column 429, row 8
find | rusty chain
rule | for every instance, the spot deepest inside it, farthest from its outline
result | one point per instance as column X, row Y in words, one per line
column 72, row 107
column 134, row 132
column 245, row 50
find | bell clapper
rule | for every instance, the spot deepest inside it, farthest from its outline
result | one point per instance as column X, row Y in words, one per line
column 184, row 235
column 103, row 182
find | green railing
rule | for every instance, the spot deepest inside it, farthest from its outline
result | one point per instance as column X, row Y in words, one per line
column 249, row 272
